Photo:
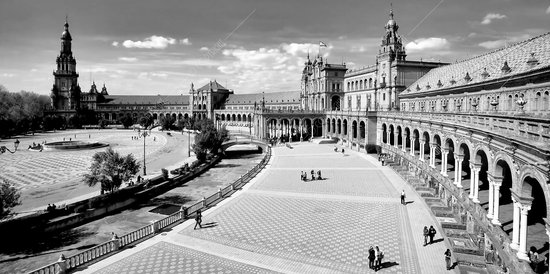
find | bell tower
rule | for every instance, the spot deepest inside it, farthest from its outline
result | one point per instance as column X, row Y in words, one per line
column 66, row 91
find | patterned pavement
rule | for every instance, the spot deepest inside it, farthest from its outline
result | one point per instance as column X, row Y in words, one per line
column 282, row 224
column 170, row 258
column 31, row 169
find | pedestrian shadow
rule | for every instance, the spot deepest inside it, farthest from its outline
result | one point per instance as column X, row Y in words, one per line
column 437, row 240
column 210, row 225
column 388, row 264
column 409, row 202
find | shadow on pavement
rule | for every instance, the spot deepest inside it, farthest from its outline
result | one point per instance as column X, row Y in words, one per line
column 388, row 264
column 36, row 244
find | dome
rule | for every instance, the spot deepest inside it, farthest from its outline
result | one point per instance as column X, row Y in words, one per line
column 66, row 35
column 391, row 23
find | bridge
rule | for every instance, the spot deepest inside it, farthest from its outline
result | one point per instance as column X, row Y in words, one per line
column 243, row 139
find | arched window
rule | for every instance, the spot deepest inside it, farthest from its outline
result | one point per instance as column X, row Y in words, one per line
column 361, row 84
column 538, row 101
column 370, row 82
column 349, row 86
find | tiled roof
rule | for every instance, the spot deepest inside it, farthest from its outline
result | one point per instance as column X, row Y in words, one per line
column 215, row 86
column 146, row 99
column 522, row 57
column 285, row 97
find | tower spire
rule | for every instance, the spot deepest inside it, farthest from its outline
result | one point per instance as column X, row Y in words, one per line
column 391, row 10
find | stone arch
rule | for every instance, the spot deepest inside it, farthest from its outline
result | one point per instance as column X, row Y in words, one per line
column 328, row 125
column 345, row 126
column 392, row 131
column 407, row 141
column 354, row 127
column 233, row 117
column 496, row 168
column 317, row 127
column 333, row 125
column 339, row 126
column 384, row 133
column 399, row 132
column 362, row 132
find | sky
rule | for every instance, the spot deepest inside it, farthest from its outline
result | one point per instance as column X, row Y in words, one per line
column 161, row 47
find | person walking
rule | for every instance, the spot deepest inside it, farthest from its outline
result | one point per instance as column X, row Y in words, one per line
column 431, row 233
column 403, row 197
column 371, row 257
column 312, row 175
column 448, row 259
column 198, row 219
column 319, row 175
column 426, row 233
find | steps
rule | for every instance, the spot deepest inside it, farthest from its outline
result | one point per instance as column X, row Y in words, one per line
column 467, row 248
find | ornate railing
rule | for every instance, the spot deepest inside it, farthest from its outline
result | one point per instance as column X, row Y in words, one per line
column 525, row 128
column 111, row 246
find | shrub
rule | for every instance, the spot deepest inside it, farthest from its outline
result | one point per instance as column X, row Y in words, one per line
column 371, row 148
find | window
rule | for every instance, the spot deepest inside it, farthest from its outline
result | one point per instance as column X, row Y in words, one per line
column 383, row 96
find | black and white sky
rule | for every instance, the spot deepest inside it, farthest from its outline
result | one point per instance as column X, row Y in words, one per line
column 160, row 47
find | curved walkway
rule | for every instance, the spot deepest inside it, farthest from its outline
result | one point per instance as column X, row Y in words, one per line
column 281, row 224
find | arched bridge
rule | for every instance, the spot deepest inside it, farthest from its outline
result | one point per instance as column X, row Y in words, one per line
column 243, row 139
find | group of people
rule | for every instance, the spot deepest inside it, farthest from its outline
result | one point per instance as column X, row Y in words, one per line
column 375, row 258
column 336, row 150
column 429, row 233
column 303, row 175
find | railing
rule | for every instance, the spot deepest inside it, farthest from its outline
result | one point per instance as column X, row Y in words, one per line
column 525, row 128
column 96, row 252
column 498, row 237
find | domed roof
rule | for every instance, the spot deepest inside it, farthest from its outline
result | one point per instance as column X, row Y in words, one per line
column 66, row 35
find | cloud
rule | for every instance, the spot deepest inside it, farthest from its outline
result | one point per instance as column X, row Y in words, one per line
column 266, row 69
column 298, row 49
column 490, row 16
column 185, row 41
column 153, row 42
column 432, row 43
column 342, row 37
column 151, row 75
column 115, row 44
column 494, row 44
column 548, row 10
column 127, row 59
column 7, row 75
column 204, row 49
column 34, row 70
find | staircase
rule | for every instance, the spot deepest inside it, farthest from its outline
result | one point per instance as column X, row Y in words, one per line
column 468, row 249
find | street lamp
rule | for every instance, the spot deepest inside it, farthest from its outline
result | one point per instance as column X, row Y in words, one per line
column 3, row 149
column 144, row 134
column 188, row 143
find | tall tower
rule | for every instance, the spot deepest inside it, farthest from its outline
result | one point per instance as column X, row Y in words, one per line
column 390, row 53
column 66, row 91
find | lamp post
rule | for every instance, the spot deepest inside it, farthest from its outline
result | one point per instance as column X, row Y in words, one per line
column 3, row 149
column 188, row 143
column 144, row 135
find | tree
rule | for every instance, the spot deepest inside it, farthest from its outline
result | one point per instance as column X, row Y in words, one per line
column 22, row 111
column 209, row 139
column 110, row 169
column 146, row 120
column 166, row 122
column 103, row 123
column 126, row 121
column 9, row 198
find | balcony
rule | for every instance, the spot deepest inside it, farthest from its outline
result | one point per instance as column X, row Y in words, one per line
column 530, row 130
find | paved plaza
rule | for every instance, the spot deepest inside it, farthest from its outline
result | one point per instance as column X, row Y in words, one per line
column 281, row 224
column 54, row 176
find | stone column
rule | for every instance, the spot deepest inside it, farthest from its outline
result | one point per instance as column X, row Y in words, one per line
column 396, row 140
column 522, row 251
column 491, row 199
column 300, row 129
column 515, row 227
column 403, row 142
column 422, row 146
column 496, row 200
column 444, row 152
column 413, row 141
column 458, row 170
column 432, row 154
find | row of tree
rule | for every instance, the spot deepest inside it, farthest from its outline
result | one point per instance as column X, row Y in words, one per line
column 21, row 112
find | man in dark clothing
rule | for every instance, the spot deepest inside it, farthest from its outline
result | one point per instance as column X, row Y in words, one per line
column 371, row 257
column 312, row 175
column 198, row 219
column 431, row 233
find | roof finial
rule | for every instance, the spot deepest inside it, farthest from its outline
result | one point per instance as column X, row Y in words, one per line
column 66, row 21
column 391, row 10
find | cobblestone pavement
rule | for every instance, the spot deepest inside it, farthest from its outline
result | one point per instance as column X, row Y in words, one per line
column 282, row 224
column 31, row 169
column 170, row 258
